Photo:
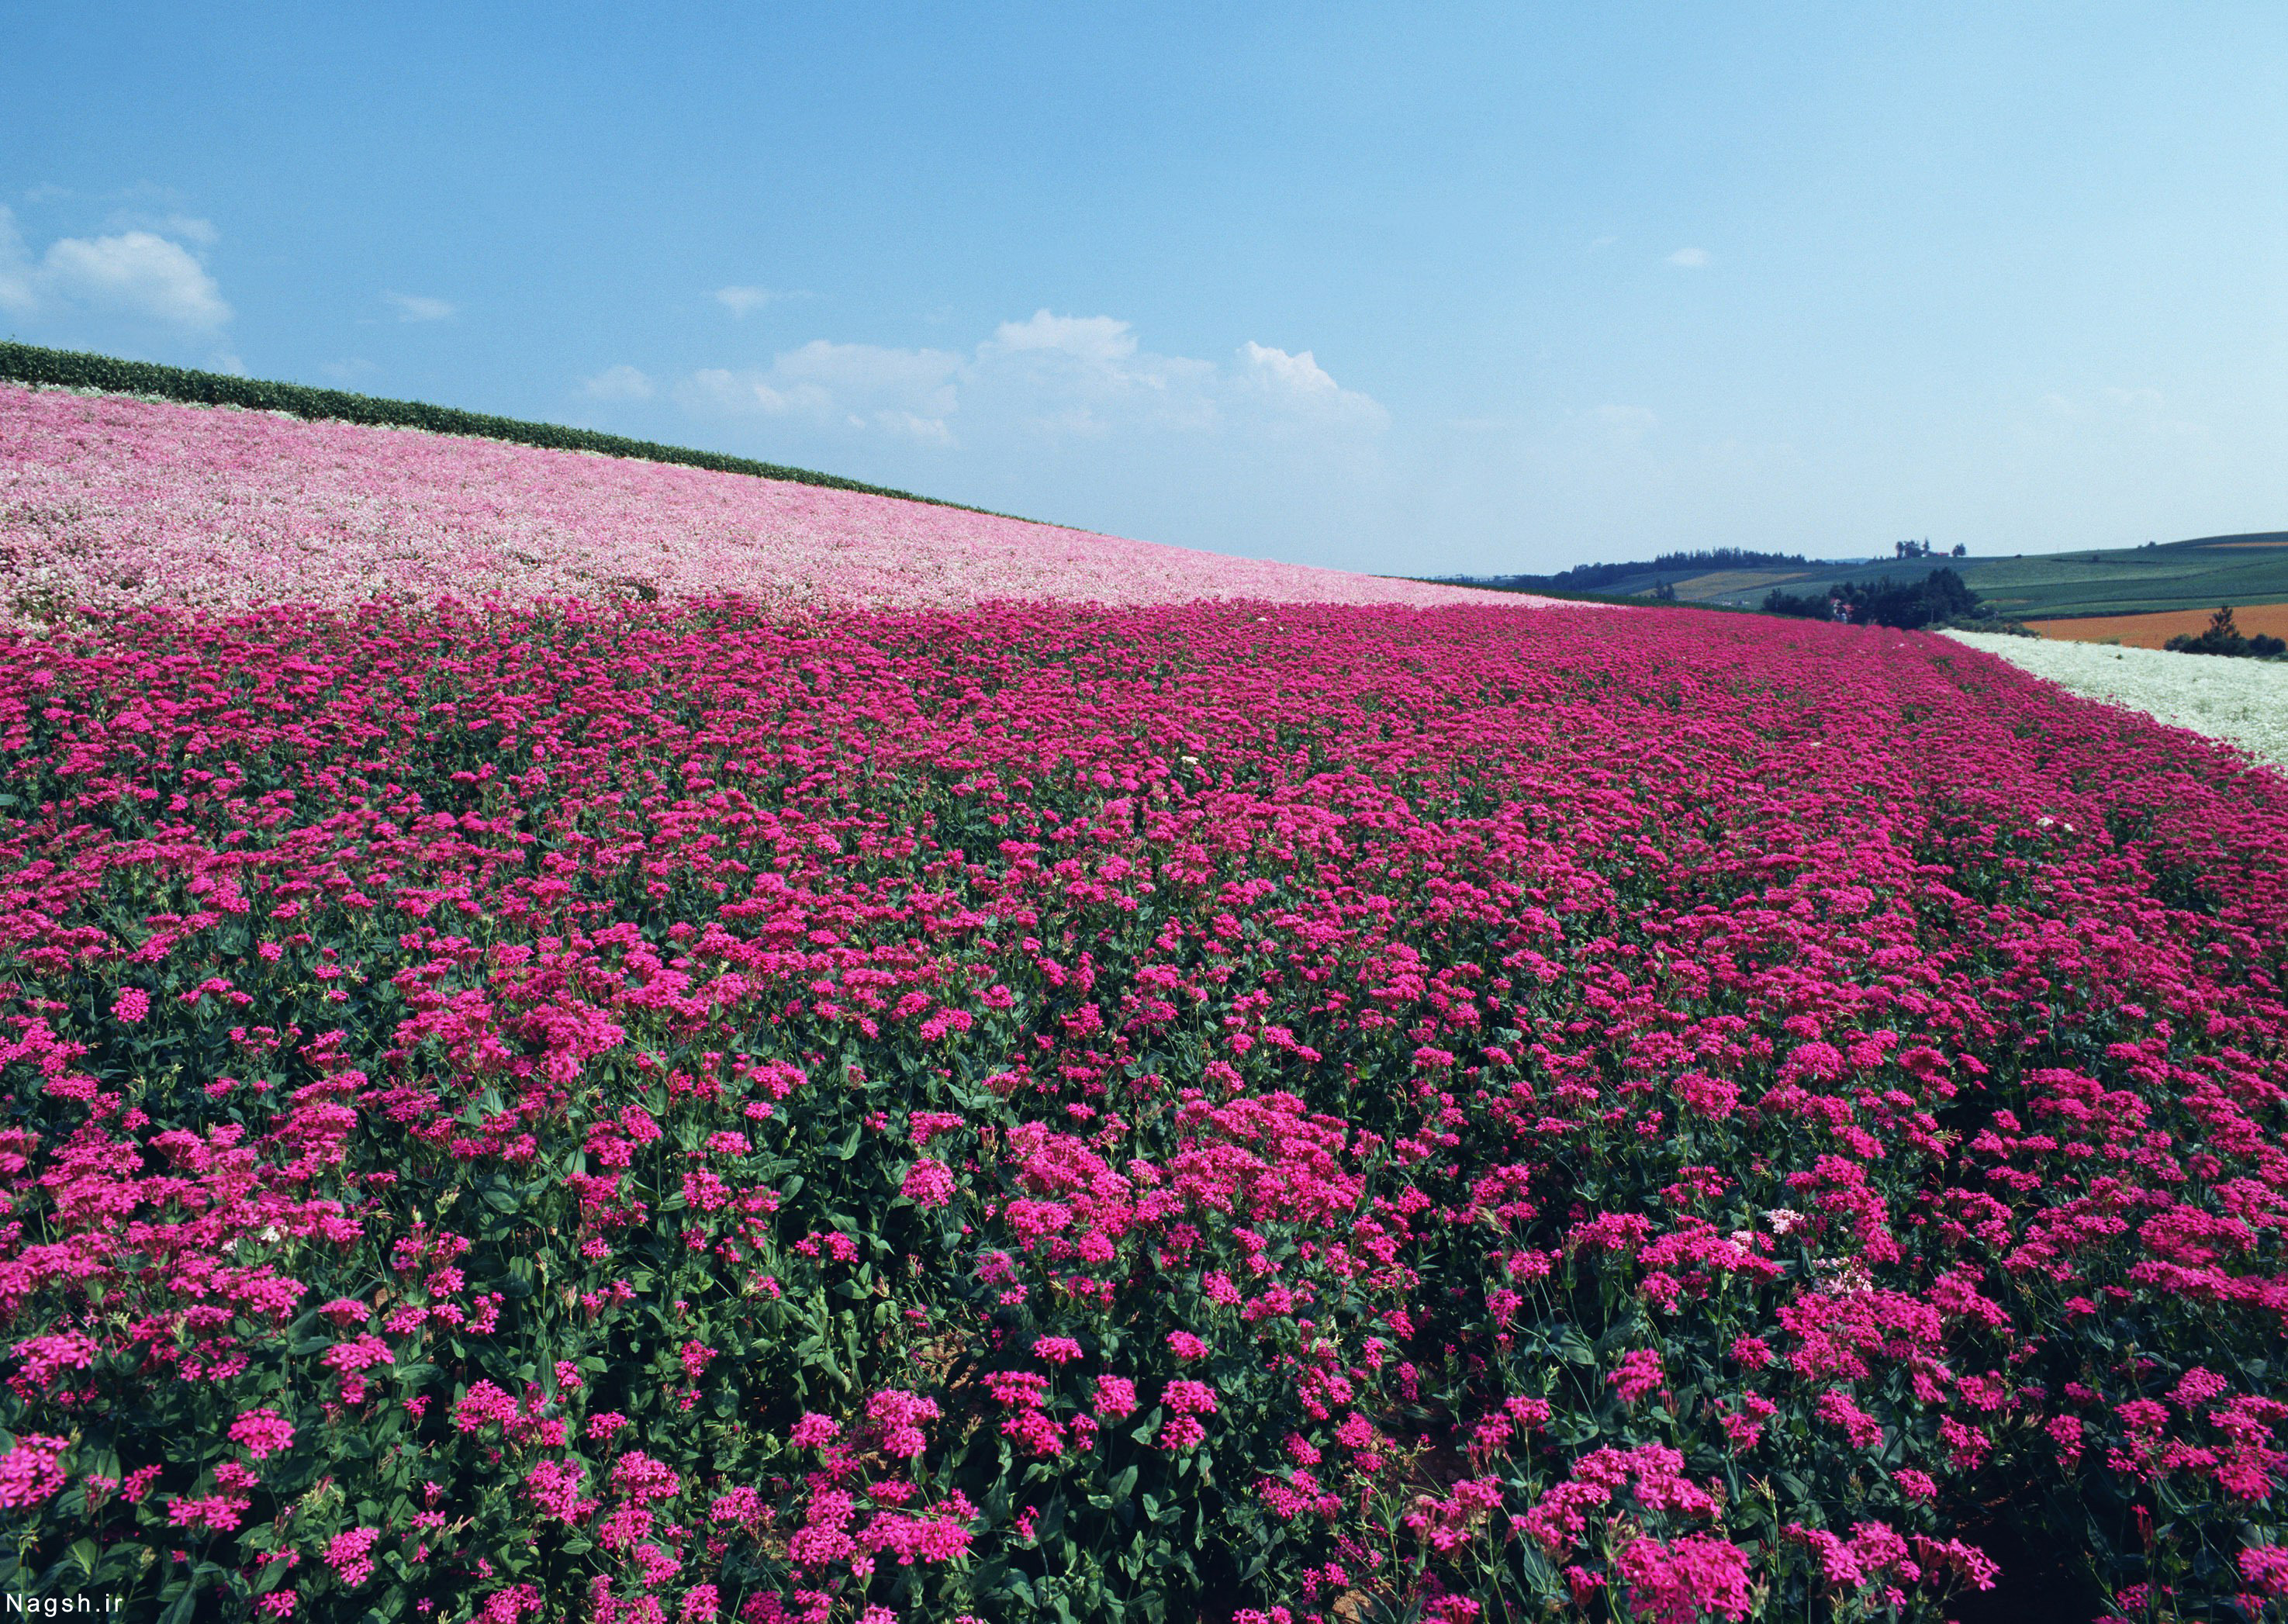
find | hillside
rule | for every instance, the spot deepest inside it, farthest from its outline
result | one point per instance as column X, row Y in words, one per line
column 2199, row 574
column 113, row 501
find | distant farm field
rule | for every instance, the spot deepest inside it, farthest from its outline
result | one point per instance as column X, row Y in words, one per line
column 2191, row 576
column 2155, row 630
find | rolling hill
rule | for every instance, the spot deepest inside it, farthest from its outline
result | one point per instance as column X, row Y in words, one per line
column 2199, row 574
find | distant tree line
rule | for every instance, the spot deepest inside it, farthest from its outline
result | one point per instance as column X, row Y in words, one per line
column 2222, row 636
column 1940, row 597
column 1590, row 577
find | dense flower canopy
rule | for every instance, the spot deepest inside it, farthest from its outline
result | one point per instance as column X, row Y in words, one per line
column 657, row 1111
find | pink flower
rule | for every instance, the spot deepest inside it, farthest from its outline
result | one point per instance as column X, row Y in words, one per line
column 210, row 1513
column 2265, row 1568
column 1191, row 1399
column 1181, row 1432
column 348, row 1555
column 1674, row 1583
column 928, row 1182
column 642, row 1479
column 262, row 1433
column 814, row 1432
column 130, row 1005
column 1640, row 1375
column 29, row 1473
column 554, row 1486
column 898, row 1417
column 484, row 1405
column 1835, row 1407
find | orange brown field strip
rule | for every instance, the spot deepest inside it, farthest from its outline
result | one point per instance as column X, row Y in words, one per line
column 2154, row 630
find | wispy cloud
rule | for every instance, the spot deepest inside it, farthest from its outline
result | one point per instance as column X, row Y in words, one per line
column 744, row 301
column 1047, row 375
column 909, row 394
column 2121, row 409
column 171, row 223
column 621, row 383
column 137, row 273
column 1622, row 423
column 1690, row 259
column 420, row 307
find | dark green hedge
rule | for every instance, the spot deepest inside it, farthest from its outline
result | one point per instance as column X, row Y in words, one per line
column 25, row 363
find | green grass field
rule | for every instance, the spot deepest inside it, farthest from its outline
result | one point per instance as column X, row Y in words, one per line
column 2194, row 574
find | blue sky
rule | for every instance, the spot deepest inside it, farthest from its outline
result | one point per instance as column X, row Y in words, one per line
column 1409, row 288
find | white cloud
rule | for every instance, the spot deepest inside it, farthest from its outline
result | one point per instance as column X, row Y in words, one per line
column 134, row 273
column 137, row 272
column 1690, row 259
column 742, row 301
column 1048, row 376
column 904, row 393
column 419, row 307
column 1297, row 385
column 190, row 227
column 621, row 383
column 1099, row 339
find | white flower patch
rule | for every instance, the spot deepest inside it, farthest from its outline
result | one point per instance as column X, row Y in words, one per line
column 2243, row 702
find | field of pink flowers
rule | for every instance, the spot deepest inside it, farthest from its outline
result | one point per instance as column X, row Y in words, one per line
column 119, row 502
column 1318, row 1115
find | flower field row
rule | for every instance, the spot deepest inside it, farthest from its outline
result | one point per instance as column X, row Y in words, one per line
column 118, row 503
column 2245, row 703
column 1313, row 1115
